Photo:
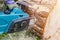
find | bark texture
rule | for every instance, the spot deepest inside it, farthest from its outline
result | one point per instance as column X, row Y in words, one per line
column 40, row 9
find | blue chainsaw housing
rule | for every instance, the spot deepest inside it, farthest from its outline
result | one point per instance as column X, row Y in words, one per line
column 15, row 21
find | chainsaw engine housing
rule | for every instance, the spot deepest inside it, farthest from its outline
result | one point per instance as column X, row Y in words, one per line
column 15, row 21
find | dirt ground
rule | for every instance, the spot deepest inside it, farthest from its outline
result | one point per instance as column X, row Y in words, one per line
column 19, row 36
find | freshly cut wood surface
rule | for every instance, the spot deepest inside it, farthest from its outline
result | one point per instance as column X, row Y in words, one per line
column 52, row 30
column 41, row 10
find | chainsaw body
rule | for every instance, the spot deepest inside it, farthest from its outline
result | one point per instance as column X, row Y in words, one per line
column 16, row 21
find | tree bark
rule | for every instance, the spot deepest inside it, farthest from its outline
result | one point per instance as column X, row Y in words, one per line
column 41, row 10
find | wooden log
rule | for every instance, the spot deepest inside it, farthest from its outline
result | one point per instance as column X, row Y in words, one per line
column 41, row 12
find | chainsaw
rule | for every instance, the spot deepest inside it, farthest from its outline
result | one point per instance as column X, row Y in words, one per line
column 14, row 21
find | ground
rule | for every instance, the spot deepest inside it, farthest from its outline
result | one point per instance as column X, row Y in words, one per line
column 22, row 35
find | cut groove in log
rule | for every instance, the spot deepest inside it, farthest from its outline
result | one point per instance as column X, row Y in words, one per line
column 38, row 30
